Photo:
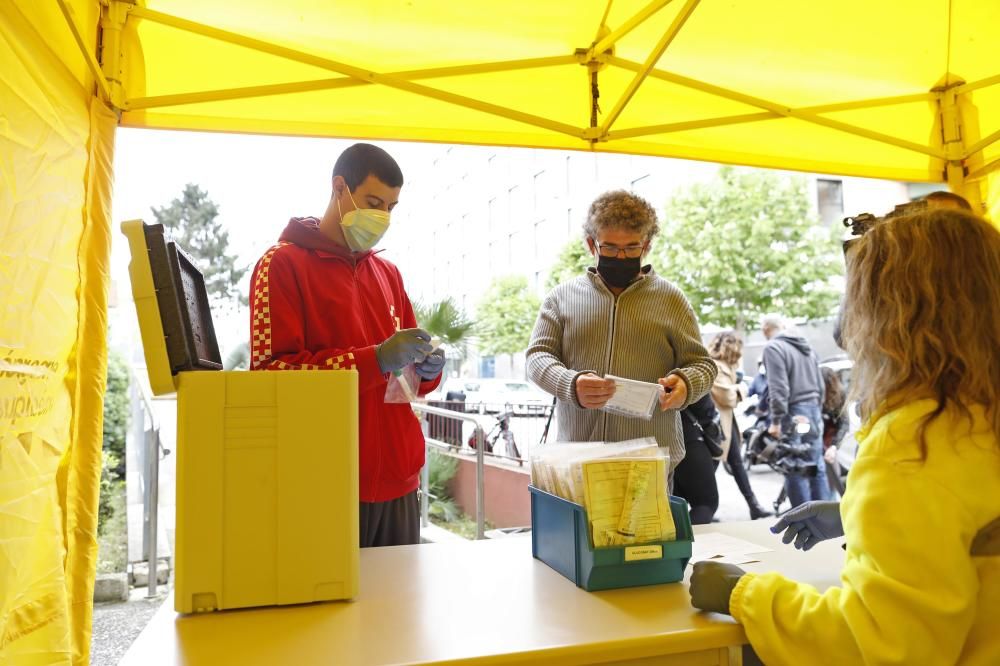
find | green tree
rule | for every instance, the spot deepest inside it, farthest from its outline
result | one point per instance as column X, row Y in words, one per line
column 116, row 413
column 191, row 222
column 116, row 417
column 746, row 244
column 573, row 260
column 445, row 320
column 506, row 316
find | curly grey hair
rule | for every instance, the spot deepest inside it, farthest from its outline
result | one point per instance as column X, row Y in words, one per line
column 619, row 209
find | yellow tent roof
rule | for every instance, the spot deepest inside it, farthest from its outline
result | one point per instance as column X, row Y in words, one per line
column 852, row 87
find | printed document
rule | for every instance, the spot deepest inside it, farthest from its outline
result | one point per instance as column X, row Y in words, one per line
column 626, row 501
column 633, row 398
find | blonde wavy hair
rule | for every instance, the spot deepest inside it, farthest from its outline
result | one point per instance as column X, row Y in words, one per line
column 922, row 314
column 726, row 347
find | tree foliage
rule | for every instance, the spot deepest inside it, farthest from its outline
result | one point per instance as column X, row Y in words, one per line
column 445, row 320
column 573, row 260
column 116, row 412
column 506, row 316
column 745, row 245
column 116, row 417
column 191, row 221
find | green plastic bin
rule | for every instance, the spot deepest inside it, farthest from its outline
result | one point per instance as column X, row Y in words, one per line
column 560, row 538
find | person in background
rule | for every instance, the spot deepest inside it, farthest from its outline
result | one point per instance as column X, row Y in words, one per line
column 795, row 389
column 619, row 318
column 726, row 349
column 694, row 477
column 921, row 515
column 836, row 425
column 322, row 299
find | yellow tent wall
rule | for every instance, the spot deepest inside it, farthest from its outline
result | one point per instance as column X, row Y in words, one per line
column 56, row 144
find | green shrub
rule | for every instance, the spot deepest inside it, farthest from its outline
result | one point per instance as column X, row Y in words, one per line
column 441, row 470
column 116, row 413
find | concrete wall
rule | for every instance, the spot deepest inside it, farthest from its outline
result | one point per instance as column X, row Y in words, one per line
column 508, row 503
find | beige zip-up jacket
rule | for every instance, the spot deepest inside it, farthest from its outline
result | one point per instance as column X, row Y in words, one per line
column 648, row 332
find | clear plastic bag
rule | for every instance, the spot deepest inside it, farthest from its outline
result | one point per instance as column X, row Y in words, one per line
column 403, row 385
column 633, row 399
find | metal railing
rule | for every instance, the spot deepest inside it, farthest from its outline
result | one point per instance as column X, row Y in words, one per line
column 149, row 446
column 480, row 439
column 531, row 429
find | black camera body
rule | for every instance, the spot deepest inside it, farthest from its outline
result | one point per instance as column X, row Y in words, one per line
column 788, row 455
column 793, row 457
column 864, row 222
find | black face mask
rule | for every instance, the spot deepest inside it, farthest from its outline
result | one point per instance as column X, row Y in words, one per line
column 617, row 272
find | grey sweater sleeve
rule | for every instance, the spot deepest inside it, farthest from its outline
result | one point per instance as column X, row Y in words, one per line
column 544, row 355
column 777, row 382
column 694, row 365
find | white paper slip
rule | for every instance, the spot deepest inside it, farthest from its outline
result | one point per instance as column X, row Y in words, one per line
column 711, row 545
column 733, row 559
column 633, row 398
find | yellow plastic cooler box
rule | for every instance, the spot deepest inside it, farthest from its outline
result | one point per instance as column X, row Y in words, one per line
column 267, row 462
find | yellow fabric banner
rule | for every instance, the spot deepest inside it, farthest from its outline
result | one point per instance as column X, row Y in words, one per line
column 55, row 195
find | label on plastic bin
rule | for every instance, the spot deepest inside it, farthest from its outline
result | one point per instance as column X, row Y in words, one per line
column 636, row 553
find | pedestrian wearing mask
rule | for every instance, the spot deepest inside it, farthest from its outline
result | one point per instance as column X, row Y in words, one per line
column 619, row 318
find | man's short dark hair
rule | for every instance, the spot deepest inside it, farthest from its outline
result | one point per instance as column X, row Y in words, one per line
column 944, row 195
column 362, row 160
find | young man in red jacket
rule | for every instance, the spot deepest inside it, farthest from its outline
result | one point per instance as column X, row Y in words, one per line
column 321, row 299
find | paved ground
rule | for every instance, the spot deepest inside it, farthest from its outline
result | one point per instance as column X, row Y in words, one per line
column 117, row 624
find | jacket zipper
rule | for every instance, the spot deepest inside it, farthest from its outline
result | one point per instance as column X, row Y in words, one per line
column 364, row 323
column 611, row 351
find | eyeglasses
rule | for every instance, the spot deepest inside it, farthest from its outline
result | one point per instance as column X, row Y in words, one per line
column 630, row 251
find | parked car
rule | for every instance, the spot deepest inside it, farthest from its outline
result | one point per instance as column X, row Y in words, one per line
column 493, row 395
column 458, row 386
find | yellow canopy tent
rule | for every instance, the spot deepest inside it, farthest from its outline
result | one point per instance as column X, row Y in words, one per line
column 907, row 90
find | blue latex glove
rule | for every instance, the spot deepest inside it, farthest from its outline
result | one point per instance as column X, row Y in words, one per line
column 431, row 366
column 810, row 523
column 404, row 347
column 712, row 584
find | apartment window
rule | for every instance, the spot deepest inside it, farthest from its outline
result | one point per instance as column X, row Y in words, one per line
column 539, row 182
column 830, row 200
column 536, row 240
column 514, row 207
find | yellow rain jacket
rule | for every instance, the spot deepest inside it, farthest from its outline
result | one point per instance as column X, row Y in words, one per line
column 911, row 592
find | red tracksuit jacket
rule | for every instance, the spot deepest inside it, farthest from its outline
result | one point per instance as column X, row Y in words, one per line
column 316, row 306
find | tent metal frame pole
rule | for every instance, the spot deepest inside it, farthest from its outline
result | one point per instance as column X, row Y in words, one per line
column 871, row 103
column 95, row 68
column 781, row 110
column 955, row 137
column 667, row 128
column 224, row 94
column 981, row 83
column 984, row 170
column 979, row 145
column 675, row 27
column 625, row 28
column 364, row 75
